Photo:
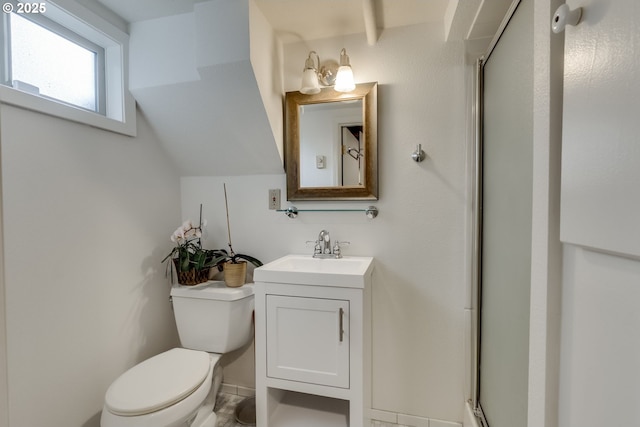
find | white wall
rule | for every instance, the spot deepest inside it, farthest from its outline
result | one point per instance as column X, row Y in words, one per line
column 418, row 239
column 87, row 215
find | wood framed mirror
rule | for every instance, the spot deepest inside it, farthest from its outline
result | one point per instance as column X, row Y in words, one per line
column 331, row 144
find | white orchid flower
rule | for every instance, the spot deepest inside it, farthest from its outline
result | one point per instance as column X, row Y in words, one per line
column 186, row 231
column 180, row 233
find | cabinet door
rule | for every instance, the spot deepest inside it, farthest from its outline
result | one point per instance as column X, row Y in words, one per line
column 308, row 340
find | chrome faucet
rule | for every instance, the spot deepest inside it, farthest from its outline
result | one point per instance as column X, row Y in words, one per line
column 325, row 242
column 323, row 249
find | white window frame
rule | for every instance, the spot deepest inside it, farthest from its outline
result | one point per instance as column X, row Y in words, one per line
column 119, row 107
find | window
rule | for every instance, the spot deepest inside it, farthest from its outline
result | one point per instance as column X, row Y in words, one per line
column 61, row 59
column 54, row 62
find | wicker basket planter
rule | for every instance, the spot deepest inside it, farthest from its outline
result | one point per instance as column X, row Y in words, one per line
column 235, row 274
column 191, row 277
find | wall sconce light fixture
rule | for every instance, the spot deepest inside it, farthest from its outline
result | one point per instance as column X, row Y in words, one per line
column 328, row 74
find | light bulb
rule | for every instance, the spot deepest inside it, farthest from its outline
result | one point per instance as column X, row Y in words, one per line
column 344, row 78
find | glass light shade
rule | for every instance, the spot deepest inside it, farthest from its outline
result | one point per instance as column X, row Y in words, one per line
column 310, row 83
column 344, row 79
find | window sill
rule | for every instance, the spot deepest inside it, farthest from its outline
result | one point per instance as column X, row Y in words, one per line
column 17, row 98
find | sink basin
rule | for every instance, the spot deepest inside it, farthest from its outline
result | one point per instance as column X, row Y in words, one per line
column 346, row 272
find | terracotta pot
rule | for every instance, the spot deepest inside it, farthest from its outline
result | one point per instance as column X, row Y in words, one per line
column 235, row 274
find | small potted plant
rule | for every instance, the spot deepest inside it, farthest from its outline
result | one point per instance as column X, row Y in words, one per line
column 191, row 261
column 234, row 265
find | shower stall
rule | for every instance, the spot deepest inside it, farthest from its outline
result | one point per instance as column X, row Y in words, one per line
column 503, row 222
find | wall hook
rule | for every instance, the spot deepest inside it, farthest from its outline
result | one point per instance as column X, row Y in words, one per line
column 418, row 155
column 565, row 16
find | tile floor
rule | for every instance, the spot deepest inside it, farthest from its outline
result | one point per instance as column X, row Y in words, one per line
column 225, row 410
column 226, row 404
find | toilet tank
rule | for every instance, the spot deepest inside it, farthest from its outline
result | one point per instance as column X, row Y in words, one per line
column 213, row 317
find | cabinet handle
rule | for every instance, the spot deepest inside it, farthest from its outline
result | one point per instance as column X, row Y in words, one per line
column 340, row 317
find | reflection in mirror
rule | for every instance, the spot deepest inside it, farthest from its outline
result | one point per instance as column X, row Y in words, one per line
column 324, row 130
column 351, row 149
column 331, row 145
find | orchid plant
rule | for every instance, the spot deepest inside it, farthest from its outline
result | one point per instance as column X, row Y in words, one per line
column 188, row 253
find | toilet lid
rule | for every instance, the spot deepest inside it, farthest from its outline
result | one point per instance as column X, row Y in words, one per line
column 158, row 382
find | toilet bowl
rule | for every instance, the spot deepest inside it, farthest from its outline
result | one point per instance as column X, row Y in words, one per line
column 178, row 388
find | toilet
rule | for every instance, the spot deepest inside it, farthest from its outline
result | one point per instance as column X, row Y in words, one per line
column 178, row 388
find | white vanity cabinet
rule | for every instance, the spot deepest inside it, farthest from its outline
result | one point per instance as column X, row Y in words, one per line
column 313, row 342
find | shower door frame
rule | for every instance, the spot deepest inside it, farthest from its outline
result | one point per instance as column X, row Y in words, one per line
column 477, row 215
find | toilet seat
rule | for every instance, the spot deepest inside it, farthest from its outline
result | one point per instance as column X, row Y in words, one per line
column 158, row 382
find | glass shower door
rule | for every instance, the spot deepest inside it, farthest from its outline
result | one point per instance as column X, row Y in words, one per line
column 505, row 268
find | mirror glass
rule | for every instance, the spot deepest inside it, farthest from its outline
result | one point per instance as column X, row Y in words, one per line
column 331, row 144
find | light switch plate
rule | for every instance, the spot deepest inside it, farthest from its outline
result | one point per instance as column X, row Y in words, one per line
column 274, row 199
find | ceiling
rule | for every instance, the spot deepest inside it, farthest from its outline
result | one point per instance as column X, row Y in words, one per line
column 297, row 20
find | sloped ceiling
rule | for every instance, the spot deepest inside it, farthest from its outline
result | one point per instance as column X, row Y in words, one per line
column 214, row 126
column 194, row 79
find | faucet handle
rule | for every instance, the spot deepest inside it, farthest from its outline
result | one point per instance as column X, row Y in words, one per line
column 336, row 248
column 316, row 248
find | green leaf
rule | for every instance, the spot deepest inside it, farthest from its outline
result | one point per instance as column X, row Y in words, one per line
column 251, row 259
column 217, row 261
